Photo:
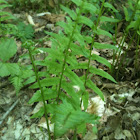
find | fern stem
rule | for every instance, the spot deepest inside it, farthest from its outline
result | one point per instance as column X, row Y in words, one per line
column 123, row 39
column 42, row 93
column 66, row 54
column 93, row 39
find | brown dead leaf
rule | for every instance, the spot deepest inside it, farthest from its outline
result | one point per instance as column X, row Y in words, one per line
column 51, row 3
column 53, row 18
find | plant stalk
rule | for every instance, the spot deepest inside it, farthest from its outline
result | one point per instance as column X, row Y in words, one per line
column 42, row 93
column 88, row 67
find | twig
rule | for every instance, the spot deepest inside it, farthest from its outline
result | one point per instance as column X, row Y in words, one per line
column 7, row 113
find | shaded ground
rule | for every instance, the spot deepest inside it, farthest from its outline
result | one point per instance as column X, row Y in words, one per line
column 120, row 113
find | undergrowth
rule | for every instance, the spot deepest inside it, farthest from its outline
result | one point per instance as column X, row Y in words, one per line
column 64, row 93
column 57, row 84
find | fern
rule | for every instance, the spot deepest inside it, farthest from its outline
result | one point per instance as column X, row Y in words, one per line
column 66, row 118
column 24, row 31
column 17, row 82
column 61, row 64
column 5, row 17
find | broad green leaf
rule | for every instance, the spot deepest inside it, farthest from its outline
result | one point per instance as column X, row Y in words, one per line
column 107, row 19
column 127, row 18
column 7, row 69
column 101, row 60
column 108, row 5
column 7, row 49
column 48, row 94
column 103, row 32
column 92, row 86
column 85, row 20
column 104, row 46
column 46, row 82
column 69, row 11
column 102, row 73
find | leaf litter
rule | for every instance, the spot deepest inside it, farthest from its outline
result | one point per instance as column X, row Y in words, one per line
column 120, row 113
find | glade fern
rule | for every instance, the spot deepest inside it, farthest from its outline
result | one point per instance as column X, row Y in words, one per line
column 61, row 64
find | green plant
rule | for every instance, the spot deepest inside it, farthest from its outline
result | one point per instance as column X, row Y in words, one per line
column 19, row 75
column 8, row 48
column 132, row 17
column 5, row 28
column 56, row 84
column 24, row 32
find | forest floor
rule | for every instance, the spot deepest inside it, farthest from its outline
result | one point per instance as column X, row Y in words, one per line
column 120, row 113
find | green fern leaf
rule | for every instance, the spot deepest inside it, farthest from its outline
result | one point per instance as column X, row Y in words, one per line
column 104, row 46
column 46, row 82
column 101, row 73
column 71, row 13
column 75, row 99
column 67, row 27
column 85, row 99
column 92, row 86
column 89, row 7
column 100, row 60
column 108, row 5
column 17, row 83
column 107, row 19
column 103, row 32
column 74, row 79
column 77, row 2
column 67, row 118
column 48, row 94
column 85, row 20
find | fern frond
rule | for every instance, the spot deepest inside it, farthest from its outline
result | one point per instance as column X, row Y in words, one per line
column 17, row 83
column 67, row 118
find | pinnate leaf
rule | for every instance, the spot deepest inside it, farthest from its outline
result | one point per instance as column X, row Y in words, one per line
column 102, row 73
column 104, row 46
column 108, row 19
column 92, row 86
column 46, row 82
